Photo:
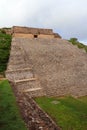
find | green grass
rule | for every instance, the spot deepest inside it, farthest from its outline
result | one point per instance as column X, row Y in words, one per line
column 83, row 99
column 69, row 113
column 5, row 43
column 10, row 118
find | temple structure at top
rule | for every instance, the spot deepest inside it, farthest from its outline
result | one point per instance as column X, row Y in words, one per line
column 28, row 32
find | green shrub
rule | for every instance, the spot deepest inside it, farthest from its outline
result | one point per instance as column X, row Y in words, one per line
column 3, row 31
column 5, row 43
column 75, row 41
column 86, row 48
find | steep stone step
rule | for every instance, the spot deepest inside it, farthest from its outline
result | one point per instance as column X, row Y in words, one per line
column 19, row 74
column 36, row 92
column 19, row 70
column 31, row 86
column 18, row 66
column 25, row 84
column 33, row 89
column 24, row 80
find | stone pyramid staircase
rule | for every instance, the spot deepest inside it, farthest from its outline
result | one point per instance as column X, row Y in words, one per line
column 25, row 81
column 54, row 63
column 21, row 74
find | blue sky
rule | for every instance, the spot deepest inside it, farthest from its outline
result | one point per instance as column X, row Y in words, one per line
column 66, row 17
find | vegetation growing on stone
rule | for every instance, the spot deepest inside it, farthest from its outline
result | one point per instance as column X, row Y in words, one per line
column 75, row 41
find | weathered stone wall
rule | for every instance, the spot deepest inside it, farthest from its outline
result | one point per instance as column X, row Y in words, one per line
column 45, row 36
column 27, row 30
column 56, row 35
column 22, row 35
column 19, row 74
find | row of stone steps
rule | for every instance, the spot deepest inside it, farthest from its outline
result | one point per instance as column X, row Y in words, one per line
column 31, row 86
column 25, row 81
column 20, row 72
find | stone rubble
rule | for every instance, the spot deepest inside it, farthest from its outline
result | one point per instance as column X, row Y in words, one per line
column 34, row 117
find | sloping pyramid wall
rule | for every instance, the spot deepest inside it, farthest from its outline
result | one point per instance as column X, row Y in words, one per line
column 51, row 67
column 20, row 72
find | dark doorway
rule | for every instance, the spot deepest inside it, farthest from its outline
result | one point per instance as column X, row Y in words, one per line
column 35, row 36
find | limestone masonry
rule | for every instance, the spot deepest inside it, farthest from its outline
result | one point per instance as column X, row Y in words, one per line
column 27, row 32
column 41, row 63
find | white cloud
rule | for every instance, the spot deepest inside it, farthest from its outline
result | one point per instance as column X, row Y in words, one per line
column 68, row 17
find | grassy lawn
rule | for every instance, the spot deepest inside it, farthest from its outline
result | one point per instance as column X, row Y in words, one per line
column 83, row 99
column 10, row 118
column 69, row 113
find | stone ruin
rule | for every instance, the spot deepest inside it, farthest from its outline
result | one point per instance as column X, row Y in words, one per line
column 27, row 32
column 41, row 63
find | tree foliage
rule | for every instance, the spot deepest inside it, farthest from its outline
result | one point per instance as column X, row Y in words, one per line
column 75, row 41
column 5, row 43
